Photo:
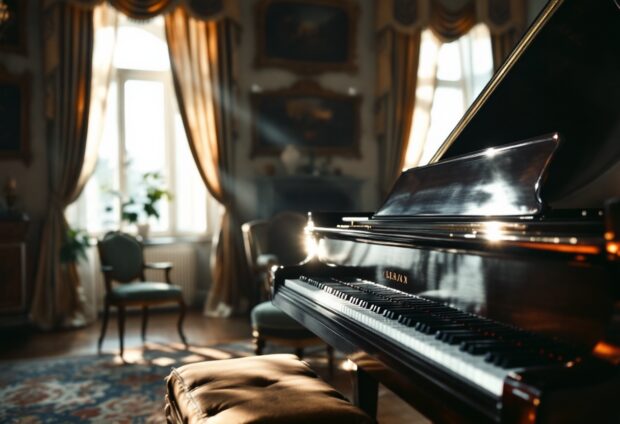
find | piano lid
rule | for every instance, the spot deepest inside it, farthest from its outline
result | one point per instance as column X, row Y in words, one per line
column 564, row 76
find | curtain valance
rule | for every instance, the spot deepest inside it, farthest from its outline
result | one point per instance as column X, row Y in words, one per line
column 450, row 19
column 207, row 10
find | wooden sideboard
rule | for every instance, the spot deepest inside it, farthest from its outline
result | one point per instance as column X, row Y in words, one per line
column 13, row 272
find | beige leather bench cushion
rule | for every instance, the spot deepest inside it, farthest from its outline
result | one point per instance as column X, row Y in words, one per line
column 259, row 389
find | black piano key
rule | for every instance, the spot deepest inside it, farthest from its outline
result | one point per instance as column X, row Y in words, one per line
column 411, row 319
column 395, row 312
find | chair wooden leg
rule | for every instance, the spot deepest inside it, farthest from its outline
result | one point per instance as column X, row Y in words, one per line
column 330, row 361
column 299, row 351
column 180, row 322
column 145, row 318
column 259, row 345
column 121, row 326
column 104, row 325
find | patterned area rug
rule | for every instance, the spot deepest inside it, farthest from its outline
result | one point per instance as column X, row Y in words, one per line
column 101, row 388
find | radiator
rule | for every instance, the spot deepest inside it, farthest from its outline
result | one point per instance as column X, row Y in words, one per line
column 184, row 265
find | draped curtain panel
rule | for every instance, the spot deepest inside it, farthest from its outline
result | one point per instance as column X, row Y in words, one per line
column 67, row 61
column 398, row 86
column 400, row 22
column 105, row 21
column 204, row 69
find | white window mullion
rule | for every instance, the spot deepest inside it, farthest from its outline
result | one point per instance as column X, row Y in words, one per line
column 170, row 147
column 122, row 177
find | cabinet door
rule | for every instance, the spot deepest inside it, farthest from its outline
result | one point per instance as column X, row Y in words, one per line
column 12, row 277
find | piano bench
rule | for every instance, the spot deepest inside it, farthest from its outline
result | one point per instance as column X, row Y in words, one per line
column 258, row 389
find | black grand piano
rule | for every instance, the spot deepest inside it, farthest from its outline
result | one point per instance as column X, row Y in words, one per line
column 486, row 288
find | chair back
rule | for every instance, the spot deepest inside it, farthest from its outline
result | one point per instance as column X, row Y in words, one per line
column 285, row 237
column 277, row 241
column 281, row 236
column 254, row 241
column 123, row 254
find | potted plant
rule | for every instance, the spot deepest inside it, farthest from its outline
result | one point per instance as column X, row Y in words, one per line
column 74, row 246
column 138, row 209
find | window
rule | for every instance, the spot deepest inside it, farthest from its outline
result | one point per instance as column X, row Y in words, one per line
column 143, row 133
column 450, row 76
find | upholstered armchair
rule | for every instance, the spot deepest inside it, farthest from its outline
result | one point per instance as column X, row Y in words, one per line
column 277, row 241
column 122, row 264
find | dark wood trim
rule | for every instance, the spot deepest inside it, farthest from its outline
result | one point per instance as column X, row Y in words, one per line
column 23, row 82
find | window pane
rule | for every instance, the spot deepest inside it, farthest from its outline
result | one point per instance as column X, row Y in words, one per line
column 145, row 148
column 446, row 111
column 449, row 62
column 141, row 45
column 190, row 194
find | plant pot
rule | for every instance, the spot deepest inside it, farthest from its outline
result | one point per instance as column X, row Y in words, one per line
column 143, row 230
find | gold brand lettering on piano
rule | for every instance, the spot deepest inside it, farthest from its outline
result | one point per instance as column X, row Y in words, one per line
column 395, row 276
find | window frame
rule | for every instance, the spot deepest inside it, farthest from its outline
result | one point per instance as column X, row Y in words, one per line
column 123, row 75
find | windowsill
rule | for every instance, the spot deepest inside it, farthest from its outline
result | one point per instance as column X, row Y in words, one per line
column 163, row 240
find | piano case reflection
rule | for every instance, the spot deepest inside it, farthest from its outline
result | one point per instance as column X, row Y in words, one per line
column 485, row 289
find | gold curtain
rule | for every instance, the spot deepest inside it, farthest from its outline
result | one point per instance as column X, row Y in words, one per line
column 147, row 9
column 203, row 69
column 449, row 24
column 142, row 9
column 67, row 62
column 396, row 83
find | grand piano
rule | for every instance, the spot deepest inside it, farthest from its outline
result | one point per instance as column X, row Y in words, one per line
column 486, row 288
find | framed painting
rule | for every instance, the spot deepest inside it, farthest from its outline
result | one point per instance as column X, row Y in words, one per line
column 14, row 109
column 315, row 120
column 13, row 26
column 307, row 36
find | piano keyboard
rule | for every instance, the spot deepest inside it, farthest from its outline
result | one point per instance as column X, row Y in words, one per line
column 478, row 350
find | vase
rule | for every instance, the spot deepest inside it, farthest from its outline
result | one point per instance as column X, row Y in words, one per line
column 143, row 230
column 290, row 157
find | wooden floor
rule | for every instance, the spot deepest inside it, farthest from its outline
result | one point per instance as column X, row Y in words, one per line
column 200, row 331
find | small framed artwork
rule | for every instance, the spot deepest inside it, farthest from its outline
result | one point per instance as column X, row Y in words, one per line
column 14, row 109
column 307, row 36
column 313, row 119
column 13, row 26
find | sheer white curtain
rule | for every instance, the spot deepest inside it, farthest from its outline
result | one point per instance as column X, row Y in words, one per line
column 450, row 76
column 105, row 19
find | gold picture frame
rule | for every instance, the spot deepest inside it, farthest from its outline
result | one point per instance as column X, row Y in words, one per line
column 311, row 118
column 307, row 36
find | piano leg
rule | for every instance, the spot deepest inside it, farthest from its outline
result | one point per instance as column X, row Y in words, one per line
column 365, row 392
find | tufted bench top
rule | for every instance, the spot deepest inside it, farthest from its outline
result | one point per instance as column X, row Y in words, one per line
column 259, row 389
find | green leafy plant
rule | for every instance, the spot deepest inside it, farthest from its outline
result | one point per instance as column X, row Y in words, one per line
column 74, row 246
column 146, row 203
